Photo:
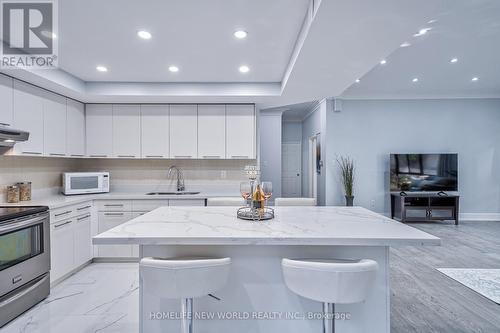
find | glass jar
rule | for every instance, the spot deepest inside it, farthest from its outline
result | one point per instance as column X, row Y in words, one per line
column 24, row 191
column 12, row 194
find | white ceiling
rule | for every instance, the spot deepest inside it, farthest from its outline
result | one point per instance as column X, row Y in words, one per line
column 469, row 32
column 195, row 35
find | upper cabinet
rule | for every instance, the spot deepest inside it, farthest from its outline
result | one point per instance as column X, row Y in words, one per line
column 75, row 128
column 240, row 131
column 183, row 131
column 99, row 130
column 211, row 131
column 54, row 124
column 155, row 131
column 6, row 96
column 28, row 116
column 126, row 131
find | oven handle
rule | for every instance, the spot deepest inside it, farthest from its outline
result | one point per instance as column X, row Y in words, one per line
column 22, row 293
column 21, row 224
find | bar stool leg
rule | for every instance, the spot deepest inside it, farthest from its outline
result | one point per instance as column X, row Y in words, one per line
column 328, row 318
column 187, row 315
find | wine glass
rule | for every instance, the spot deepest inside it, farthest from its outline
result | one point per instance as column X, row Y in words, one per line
column 245, row 190
column 267, row 188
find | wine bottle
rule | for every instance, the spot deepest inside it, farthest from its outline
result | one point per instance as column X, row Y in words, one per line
column 258, row 198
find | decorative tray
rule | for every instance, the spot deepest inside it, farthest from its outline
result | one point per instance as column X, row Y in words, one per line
column 252, row 214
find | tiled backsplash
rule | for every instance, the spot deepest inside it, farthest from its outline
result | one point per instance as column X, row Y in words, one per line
column 45, row 173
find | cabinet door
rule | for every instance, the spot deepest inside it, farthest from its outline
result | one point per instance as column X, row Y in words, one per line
column 54, row 124
column 99, row 130
column 211, row 131
column 61, row 249
column 28, row 116
column 6, row 96
column 75, row 128
column 83, row 242
column 108, row 220
column 183, row 131
column 126, row 131
column 240, row 131
column 155, row 131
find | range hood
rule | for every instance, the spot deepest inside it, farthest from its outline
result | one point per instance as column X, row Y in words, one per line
column 10, row 136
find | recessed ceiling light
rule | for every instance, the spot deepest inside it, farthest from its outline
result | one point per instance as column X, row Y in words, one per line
column 173, row 69
column 101, row 68
column 474, row 79
column 383, row 62
column 454, row 60
column 415, row 80
column 240, row 34
column 422, row 32
column 405, row 44
column 49, row 34
column 244, row 69
column 357, row 80
column 144, row 34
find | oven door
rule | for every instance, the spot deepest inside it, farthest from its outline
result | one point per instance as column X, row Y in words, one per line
column 24, row 250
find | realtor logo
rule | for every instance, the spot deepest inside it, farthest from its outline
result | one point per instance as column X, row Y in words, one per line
column 29, row 34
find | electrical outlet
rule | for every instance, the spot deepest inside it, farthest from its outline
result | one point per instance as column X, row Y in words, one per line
column 372, row 203
column 223, row 174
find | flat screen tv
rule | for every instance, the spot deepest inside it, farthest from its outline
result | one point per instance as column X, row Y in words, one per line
column 424, row 172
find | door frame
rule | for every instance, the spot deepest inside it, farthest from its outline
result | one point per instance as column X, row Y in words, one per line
column 313, row 175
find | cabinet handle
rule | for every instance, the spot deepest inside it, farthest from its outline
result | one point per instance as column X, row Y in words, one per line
column 154, row 156
column 113, row 214
column 77, row 155
column 63, row 213
column 183, row 156
column 85, row 207
column 113, row 205
column 62, row 224
column 32, row 152
column 126, row 156
column 83, row 217
column 56, row 154
column 211, row 156
column 98, row 155
column 5, row 124
column 239, row 156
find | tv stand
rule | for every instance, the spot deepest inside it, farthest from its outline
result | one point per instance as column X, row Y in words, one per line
column 417, row 206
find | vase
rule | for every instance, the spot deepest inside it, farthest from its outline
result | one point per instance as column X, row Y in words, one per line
column 349, row 200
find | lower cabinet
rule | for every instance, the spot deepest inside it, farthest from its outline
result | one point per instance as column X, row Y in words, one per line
column 62, row 248
column 108, row 220
column 83, row 240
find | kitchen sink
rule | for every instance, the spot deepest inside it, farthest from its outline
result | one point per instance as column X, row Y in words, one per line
column 173, row 193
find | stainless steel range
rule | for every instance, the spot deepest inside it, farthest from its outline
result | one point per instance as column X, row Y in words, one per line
column 24, row 259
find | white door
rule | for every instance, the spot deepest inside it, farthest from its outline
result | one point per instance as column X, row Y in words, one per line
column 6, row 96
column 211, row 131
column 291, row 170
column 83, row 242
column 54, row 124
column 99, row 130
column 313, row 174
column 75, row 128
column 108, row 220
column 240, row 131
column 28, row 116
column 61, row 248
column 126, row 131
column 183, row 131
column 155, row 131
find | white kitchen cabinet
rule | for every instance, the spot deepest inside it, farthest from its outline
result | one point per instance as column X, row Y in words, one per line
column 75, row 128
column 183, row 131
column 240, row 131
column 83, row 241
column 6, row 97
column 108, row 220
column 99, row 130
column 28, row 116
column 211, row 131
column 62, row 248
column 186, row 202
column 54, row 124
column 126, row 131
column 155, row 131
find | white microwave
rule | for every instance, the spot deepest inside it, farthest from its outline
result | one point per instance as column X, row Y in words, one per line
column 85, row 182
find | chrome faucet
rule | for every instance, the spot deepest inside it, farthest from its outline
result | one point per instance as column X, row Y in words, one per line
column 180, row 177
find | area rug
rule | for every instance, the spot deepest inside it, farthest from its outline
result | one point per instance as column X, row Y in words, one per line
column 483, row 281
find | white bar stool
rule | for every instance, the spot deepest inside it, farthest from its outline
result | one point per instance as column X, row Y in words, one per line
column 330, row 281
column 295, row 202
column 226, row 201
column 184, row 279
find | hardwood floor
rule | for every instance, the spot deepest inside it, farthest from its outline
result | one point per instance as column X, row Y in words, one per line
column 425, row 300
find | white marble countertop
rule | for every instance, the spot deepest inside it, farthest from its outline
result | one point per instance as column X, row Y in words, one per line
column 291, row 226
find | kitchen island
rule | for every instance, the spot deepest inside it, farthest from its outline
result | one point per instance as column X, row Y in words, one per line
column 256, row 298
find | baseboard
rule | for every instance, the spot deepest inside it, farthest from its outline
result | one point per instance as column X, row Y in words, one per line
column 479, row 217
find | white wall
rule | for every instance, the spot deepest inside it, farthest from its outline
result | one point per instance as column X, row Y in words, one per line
column 270, row 149
column 369, row 131
column 292, row 131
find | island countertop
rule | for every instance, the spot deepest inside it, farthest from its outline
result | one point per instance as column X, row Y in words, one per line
column 292, row 226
